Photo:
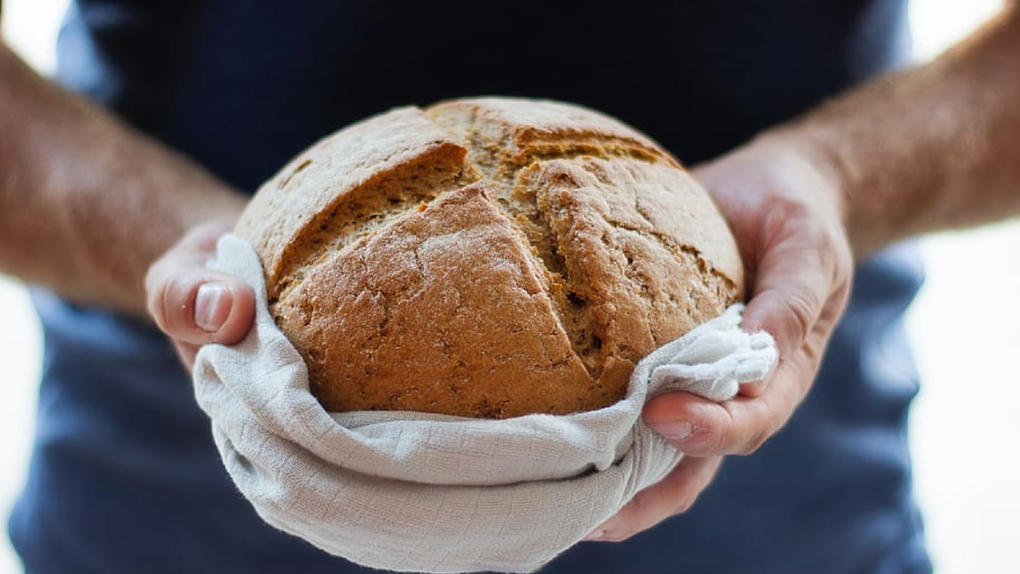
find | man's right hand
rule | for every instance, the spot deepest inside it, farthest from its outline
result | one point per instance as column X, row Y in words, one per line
column 195, row 305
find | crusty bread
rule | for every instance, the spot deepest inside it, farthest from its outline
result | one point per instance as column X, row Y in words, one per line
column 487, row 257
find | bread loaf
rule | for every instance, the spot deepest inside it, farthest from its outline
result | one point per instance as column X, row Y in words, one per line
column 487, row 257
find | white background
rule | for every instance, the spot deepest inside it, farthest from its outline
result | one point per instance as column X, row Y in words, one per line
column 964, row 324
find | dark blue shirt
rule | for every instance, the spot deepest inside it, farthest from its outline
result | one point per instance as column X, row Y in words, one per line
column 124, row 475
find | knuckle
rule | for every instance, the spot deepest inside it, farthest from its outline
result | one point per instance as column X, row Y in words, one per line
column 154, row 288
column 755, row 442
column 800, row 307
column 154, row 304
column 843, row 279
column 835, row 256
column 783, row 215
column 788, row 203
column 178, row 292
column 772, row 422
column 713, row 436
column 174, row 306
column 158, row 299
column 844, row 254
column 712, row 439
column 841, row 295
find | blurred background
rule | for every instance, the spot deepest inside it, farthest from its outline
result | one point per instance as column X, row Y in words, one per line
column 965, row 423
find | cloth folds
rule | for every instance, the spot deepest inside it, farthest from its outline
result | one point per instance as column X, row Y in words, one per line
column 420, row 492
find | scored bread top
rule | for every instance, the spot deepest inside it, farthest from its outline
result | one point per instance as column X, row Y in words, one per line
column 488, row 257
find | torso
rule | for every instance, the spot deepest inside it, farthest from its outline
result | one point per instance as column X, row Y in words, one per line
column 125, row 477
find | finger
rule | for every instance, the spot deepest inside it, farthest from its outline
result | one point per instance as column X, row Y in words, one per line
column 800, row 291
column 792, row 286
column 672, row 495
column 701, row 427
column 197, row 306
column 803, row 262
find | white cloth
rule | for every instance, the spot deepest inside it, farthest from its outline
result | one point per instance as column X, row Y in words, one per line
column 434, row 493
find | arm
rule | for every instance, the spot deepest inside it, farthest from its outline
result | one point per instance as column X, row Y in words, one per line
column 930, row 148
column 87, row 203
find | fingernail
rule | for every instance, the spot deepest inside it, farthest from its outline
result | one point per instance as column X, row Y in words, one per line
column 678, row 430
column 596, row 535
column 212, row 306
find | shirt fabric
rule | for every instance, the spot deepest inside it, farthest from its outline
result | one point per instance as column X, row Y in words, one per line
column 124, row 476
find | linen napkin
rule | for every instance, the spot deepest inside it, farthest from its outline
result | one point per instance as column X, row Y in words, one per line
column 417, row 492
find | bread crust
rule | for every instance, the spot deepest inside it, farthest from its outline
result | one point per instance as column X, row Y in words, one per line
column 487, row 257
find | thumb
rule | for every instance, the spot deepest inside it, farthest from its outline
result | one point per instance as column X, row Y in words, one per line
column 199, row 307
column 194, row 305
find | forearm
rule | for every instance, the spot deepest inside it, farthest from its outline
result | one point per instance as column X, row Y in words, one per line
column 930, row 148
column 86, row 203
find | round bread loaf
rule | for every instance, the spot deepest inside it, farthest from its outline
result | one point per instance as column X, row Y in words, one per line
column 487, row 257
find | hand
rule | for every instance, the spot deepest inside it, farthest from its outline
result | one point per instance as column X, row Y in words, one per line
column 194, row 305
column 788, row 217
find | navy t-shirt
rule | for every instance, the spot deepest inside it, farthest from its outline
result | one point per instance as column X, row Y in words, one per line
column 124, row 475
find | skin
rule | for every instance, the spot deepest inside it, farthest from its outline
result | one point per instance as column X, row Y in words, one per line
column 87, row 204
column 930, row 148
column 103, row 215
